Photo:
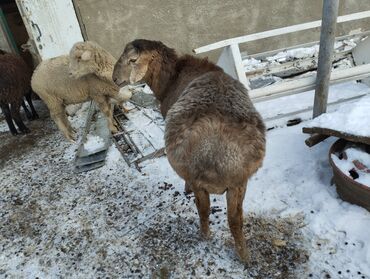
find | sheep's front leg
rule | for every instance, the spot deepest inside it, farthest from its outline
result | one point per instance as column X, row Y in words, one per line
column 203, row 206
column 106, row 108
column 235, row 197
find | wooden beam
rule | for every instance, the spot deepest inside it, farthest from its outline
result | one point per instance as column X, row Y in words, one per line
column 335, row 133
column 309, row 108
column 263, row 55
column 277, row 32
column 327, row 39
column 361, row 55
column 289, row 68
column 238, row 64
column 315, row 139
column 305, row 84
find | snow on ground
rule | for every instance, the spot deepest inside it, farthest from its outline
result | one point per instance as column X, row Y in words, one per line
column 93, row 142
column 351, row 118
column 300, row 105
column 116, row 222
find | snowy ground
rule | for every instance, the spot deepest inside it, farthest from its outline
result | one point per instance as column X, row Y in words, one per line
column 347, row 118
column 116, row 222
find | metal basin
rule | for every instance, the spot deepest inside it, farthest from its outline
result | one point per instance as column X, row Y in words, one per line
column 348, row 189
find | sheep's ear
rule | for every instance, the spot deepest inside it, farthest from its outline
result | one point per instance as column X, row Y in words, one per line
column 86, row 55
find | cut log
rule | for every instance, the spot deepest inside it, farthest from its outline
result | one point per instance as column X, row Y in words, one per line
column 315, row 139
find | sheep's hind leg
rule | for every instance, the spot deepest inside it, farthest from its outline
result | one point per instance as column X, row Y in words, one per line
column 235, row 197
column 29, row 101
column 8, row 118
column 14, row 109
column 203, row 206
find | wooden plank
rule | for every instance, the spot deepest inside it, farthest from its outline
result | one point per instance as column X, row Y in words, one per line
column 263, row 55
column 141, row 142
column 238, row 64
column 230, row 61
column 156, row 154
column 335, row 133
column 226, row 62
column 151, row 131
column 52, row 25
column 361, row 55
column 277, row 32
column 309, row 108
column 294, row 67
column 306, row 84
column 315, row 139
column 327, row 39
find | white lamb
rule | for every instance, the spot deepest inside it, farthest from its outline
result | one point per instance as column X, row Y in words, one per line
column 86, row 74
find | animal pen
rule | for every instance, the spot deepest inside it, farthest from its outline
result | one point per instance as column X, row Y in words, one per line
column 231, row 57
column 113, row 207
column 231, row 61
column 298, row 75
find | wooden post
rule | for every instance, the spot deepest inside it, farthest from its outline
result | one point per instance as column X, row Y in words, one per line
column 327, row 39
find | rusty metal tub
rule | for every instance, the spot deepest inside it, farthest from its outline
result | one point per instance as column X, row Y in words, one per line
column 348, row 189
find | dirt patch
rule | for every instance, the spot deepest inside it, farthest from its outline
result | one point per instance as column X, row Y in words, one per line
column 276, row 245
column 12, row 147
column 25, row 220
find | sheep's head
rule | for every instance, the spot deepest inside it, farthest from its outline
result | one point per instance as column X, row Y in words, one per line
column 135, row 62
column 82, row 60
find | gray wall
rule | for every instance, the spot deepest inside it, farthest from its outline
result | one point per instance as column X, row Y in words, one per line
column 187, row 24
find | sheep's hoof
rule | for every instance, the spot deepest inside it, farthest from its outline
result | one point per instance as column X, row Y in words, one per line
column 205, row 235
column 113, row 130
column 35, row 116
column 243, row 255
column 29, row 116
column 14, row 133
column 71, row 137
column 188, row 189
column 25, row 130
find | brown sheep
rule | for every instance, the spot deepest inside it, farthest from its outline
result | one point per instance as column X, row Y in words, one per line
column 214, row 137
column 15, row 83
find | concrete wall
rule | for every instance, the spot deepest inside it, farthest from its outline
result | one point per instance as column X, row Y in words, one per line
column 187, row 24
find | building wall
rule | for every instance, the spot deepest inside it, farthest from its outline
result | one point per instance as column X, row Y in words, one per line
column 188, row 24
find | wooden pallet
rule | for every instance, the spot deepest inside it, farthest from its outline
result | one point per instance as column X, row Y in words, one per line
column 141, row 135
